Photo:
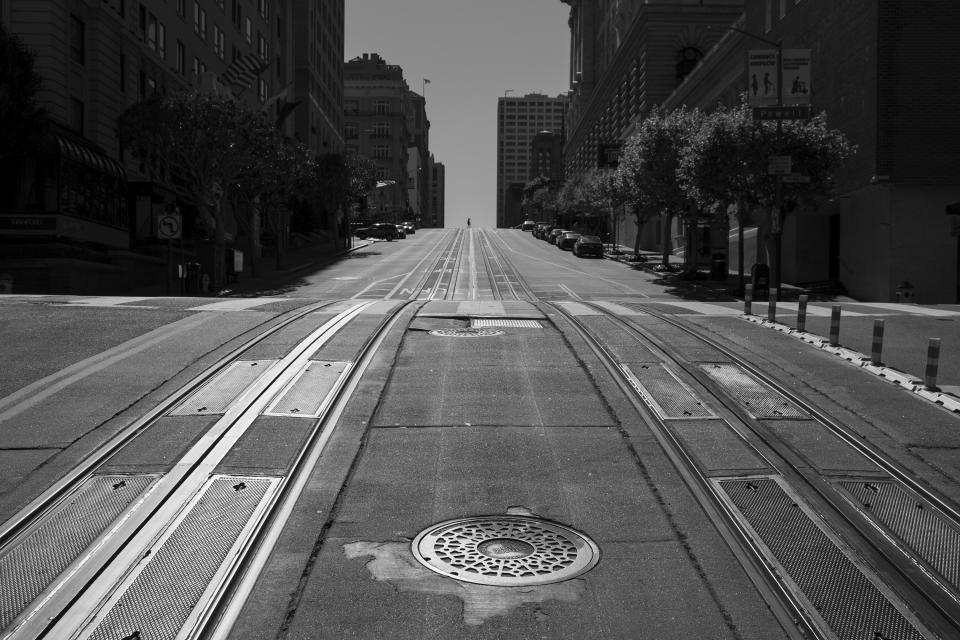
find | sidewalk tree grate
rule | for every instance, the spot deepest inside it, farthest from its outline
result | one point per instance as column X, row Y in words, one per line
column 506, row 551
column 467, row 332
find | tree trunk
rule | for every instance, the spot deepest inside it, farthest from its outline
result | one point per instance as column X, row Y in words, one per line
column 219, row 248
column 667, row 220
column 254, row 240
column 740, row 257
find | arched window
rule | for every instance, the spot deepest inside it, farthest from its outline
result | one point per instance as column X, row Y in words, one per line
column 687, row 59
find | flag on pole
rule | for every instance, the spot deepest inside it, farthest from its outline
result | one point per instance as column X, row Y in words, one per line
column 425, row 81
column 244, row 70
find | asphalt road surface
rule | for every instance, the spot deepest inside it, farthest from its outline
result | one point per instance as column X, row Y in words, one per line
column 473, row 434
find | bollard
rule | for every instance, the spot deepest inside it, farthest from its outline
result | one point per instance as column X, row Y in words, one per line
column 835, row 326
column 748, row 300
column 802, row 314
column 933, row 362
column 877, row 347
column 877, row 343
column 772, row 305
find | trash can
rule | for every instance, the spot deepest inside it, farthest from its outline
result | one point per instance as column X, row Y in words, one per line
column 760, row 278
column 718, row 267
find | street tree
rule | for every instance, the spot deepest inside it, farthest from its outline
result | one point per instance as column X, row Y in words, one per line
column 648, row 168
column 22, row 120
column 207, row 141
column 363, row 179
column 541, row 192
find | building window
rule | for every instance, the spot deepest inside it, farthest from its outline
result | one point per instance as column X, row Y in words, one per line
column 783, row 9
column 77, row 37
column 263, row 6
column 687, row 59
column 380, row 107
column 219, row 42
column 162, row 40
column 248, row 31
column 381, row 152
column 263, row 47
column 381, row 129
column 199, row 21
column 351, row 131
column 182, row 8
column 181, row 58
column 235, row 13
column 262, row 89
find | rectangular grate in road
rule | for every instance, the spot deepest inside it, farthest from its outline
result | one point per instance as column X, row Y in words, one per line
column 33, row 561
column 920, row 527
column 309, row 392
column 671, row 397
column 756, row 397
column 851, row 603
column 505, row 322
column 159, row 596
column 218, row 394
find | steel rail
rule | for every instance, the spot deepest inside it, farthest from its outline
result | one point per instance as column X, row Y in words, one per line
column 218, row 616
column 20, row 521
column 505, row 259
column 928, row 587
column 441, row 247
column 786, row 608
column 85, row 584
column 488, row 267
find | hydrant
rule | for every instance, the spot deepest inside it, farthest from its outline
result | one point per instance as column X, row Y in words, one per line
column 904, row 292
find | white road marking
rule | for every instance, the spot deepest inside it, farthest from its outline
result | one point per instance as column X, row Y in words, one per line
column 236, row 304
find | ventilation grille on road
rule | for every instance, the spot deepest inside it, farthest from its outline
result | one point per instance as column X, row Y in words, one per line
column 35, row 560
column 672, row 398
column 757, row 398
column 919, row 526
column 157, row 601
column 309, row 393
column 505, row 322
column 846, row 599
column 218, row 394
column 509, row 551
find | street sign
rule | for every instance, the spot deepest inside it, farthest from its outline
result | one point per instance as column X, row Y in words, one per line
column 762, row 77
column 169, row 226
column 796, row 178
column 801, row 112
column 795, row 76
column 779, row 165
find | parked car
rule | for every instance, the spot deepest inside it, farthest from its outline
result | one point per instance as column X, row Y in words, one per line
column 542, row 229
column 409, row 227
column 383, row 230
column 554, row 234
column 527, row 225
column 566, row 240
column 588, row 246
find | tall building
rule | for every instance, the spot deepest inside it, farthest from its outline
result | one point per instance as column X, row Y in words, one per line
column 437, row 189
column 625, row 58
column 869, row 73
column 92, row 229
column 377, row 125
column 519, row 119
column 418, row 163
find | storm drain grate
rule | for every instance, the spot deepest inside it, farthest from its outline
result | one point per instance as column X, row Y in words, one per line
column 847, row 601
column 467, row 332
column 35, row 560
column 506, row 551
column 218, row 394
column 505, row 322
column 919, row 526
column 760, row 400
column 668, row 396
column 157, row 600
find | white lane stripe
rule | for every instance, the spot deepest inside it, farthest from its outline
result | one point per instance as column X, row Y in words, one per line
column 40, row 390
column 703, row 308
column 105, row 301
column 577, row 309
column 569, row 292
column 236, row 304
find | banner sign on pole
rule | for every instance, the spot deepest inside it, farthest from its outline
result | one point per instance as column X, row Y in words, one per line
column 796, row 76
column 762, row 77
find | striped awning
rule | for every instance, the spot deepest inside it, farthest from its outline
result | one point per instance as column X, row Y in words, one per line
column 89, row 157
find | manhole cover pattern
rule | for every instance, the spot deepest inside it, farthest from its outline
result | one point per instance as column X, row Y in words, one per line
column 467, row 332
column 505, row 551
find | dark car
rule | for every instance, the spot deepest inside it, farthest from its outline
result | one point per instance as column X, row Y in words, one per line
column 588, row 246
column 408, row 227
column 528, row 225
column 565, row 241
column 383, row 230
column 555, row 233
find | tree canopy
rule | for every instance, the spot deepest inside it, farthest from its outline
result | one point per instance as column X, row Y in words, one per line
column 22, row 120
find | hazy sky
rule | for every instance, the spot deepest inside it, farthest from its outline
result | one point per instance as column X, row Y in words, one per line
column 472, row 51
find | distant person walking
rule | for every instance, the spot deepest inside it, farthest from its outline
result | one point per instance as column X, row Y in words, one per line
column 468, row 222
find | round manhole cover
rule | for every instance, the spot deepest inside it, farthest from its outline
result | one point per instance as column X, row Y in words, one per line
column 467, row 332
column 506, row 551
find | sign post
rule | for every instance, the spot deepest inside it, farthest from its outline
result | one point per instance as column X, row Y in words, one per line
column 169, row 228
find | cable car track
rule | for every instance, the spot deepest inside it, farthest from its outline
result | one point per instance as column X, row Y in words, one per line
column 922, row 588
column 90, row 587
